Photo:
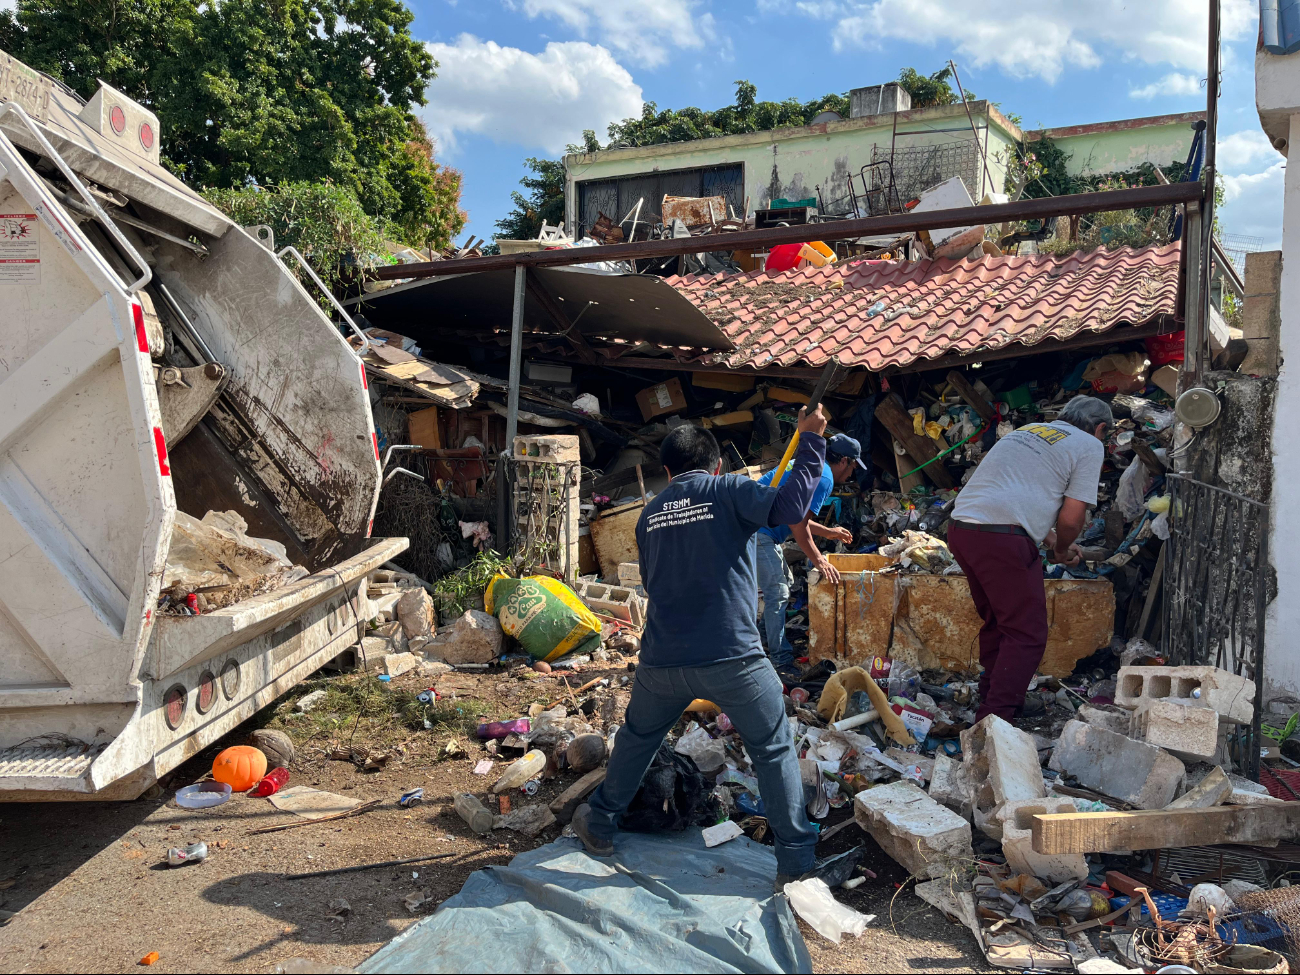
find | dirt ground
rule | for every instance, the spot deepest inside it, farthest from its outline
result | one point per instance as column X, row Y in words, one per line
column 89, row 889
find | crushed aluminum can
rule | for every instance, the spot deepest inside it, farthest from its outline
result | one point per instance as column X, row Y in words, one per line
column 412, row 798
column 427, row 697
column 179, row 856
column 530, row 788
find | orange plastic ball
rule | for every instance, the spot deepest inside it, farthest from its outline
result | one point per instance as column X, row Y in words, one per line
column 240, row 767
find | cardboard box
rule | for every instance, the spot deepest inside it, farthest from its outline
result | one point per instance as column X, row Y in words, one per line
column 424, row 429
column 663, row 398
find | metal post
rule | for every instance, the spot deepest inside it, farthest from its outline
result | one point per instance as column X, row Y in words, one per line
column 1210, row 176
column 1194, row 308
column 516, row 354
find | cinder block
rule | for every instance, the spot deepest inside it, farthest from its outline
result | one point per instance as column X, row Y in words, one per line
column 1017, row 819
column 1197, row 687
column 1190, row 733
column 920, row 834
column 616, row 601
column 1002, row 764
column 1117, row 766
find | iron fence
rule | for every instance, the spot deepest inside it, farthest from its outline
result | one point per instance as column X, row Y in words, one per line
column 1216, row 591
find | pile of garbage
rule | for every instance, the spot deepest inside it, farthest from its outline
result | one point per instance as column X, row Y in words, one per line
column 213, row 563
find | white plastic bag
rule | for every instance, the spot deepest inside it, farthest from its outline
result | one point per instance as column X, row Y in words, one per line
column 708, row 754
column 812, row 901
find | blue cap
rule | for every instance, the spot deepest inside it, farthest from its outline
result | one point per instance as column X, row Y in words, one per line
column 842, row 445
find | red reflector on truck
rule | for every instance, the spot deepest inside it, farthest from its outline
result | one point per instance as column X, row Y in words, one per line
column 141, row 339
column 160, row 442
column 374, row 438
column 365, row 383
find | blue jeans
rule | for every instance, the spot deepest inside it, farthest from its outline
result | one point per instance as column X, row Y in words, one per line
column 774, row 578
column 750, row 693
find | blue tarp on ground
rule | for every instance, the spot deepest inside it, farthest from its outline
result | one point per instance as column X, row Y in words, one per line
column 662, row 903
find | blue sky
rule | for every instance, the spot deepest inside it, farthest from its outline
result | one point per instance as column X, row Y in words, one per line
column 524, row 77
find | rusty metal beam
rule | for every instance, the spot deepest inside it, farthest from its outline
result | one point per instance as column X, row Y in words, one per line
column 897, row 223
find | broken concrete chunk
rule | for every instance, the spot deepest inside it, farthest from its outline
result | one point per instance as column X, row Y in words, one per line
column 920, row 834
column 371, row 652
column 416, row 613
column 1190, row 733
column 1002, row 765
column 1116, row 766
column 309, row 701
column 474, row 638
column 1200, row 687
column 396, row 664
column 1017, row 823
column 1242, row 797
column 1116, row 721
column 1212, row 790
column 950, row 785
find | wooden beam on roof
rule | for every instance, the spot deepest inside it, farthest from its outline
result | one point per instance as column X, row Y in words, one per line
column 1159, row 326
column 674, row 365
column 560, row 318
column 893, row 414
column 894, row 223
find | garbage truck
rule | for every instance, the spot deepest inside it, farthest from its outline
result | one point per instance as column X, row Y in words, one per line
column 156, row 358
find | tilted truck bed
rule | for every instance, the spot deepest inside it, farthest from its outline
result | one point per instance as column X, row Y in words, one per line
column 154, row 357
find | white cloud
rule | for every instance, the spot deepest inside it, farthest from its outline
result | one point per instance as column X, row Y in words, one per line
column 641, row 30
column 1252, row 205
column 539, row 101
column 1238, row 151
column 1042, row 39
column 1173, row 83
column 819, row 9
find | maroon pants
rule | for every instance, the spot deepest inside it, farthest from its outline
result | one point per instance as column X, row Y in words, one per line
column 1005, row 573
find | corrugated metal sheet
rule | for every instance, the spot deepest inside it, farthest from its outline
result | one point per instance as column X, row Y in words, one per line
column 892, row 313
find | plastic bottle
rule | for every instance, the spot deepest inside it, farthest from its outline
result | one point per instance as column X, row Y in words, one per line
column 528, row 767
column 499, row 729
column 270, row 783
column 473, row 812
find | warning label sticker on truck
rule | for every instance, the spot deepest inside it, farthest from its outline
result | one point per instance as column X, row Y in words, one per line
column 20, row 249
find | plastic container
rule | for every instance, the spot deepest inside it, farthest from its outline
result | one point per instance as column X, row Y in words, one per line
column 500, row 729
column 202, row 795
column 473, row 812
column 271, row 782
column 527, row 768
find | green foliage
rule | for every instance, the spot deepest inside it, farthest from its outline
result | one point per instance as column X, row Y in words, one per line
column 746, row 114
column 324, row 221
column 928, row 91
column 545, row 201
column 250, row 91
column 457, row 591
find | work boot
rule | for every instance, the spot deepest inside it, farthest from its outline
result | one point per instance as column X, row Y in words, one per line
column 596, row 847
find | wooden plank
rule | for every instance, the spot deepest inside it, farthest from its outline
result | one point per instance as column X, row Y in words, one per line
column 891, row 412
column 894, row 223
column 1157, row 829
column 571, row 798
column 423, row 428
column 972, row 397
column 1148, row 456
column 1153, row 590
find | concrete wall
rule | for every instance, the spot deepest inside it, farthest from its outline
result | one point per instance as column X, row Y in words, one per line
column 1277, row 98
column 1109, row 147
column 806, row 157
column 798, row 160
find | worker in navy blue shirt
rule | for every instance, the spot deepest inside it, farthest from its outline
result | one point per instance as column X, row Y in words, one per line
column 697, row 545
column 843, row 453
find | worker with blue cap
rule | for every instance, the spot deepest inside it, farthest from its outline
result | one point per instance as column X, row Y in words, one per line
column 843, row 453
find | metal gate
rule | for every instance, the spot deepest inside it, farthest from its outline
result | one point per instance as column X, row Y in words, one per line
column 1216, row 590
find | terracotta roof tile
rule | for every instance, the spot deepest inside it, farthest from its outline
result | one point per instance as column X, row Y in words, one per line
column 880, row 314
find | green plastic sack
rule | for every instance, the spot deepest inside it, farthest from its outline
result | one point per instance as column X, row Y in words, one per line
column 543, row 614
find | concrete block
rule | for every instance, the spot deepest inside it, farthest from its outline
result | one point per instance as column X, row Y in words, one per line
column 1197, row 687
column 415, row 611
column 1116, row 721
column 1017, row 819
column 396, row 664
column 1212, row 790
column 912, row 828
column 1190, row 733
column 1240, row 797
column 619, row 602
column 372, row 650
column 950, row 785
column 629, row 574
column 1002, row 764
column 1116, row 766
